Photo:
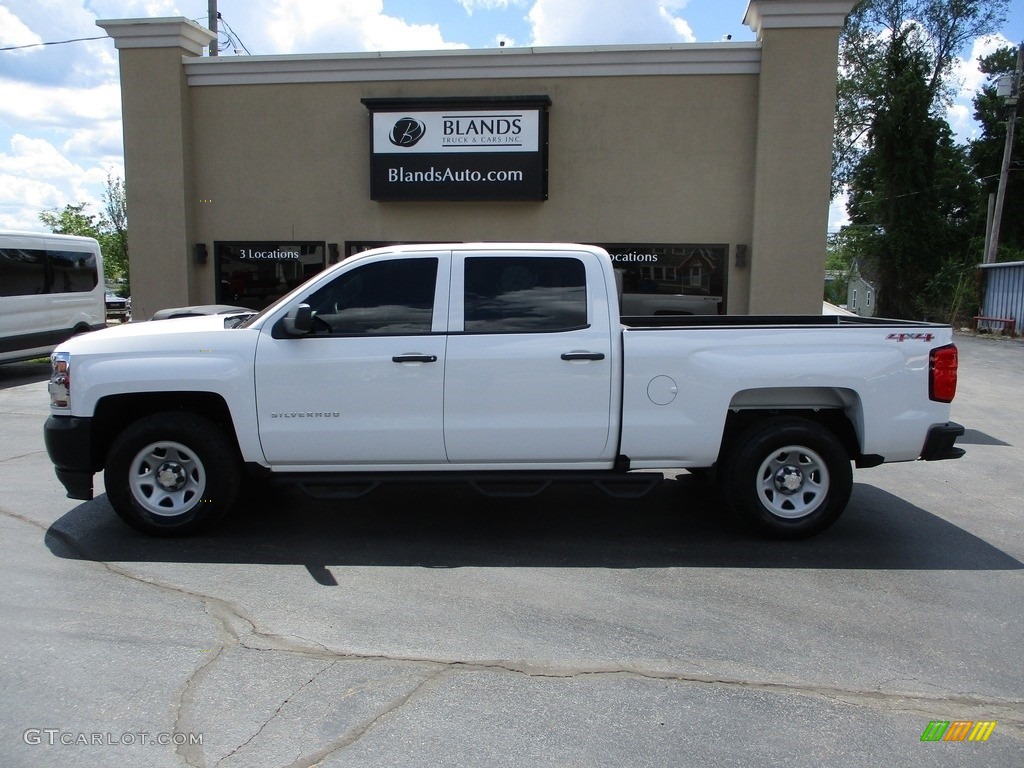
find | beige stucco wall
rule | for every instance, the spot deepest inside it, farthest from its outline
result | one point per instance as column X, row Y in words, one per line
column 732, row 146
column 154, row 147
column 793, row 168
column 626, row 164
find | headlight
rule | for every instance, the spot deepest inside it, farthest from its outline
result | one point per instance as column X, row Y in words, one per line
column 60, row 380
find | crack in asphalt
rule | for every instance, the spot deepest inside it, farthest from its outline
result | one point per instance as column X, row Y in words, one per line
column 184, row 721
column 7, row 459
column 236, row 628
column 357, row 732
column 277, row 711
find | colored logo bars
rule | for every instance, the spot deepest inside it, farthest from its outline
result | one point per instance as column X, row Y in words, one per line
column 958, row 730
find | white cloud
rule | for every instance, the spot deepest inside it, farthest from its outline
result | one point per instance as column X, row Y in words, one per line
column 38, row 159
column 961, row 121
column 572, row 22
column 57, row 106
column 22, row 199
column 837, row 216
column 681, row 26
column 36, row 175
column 967, row 69
column 487, row 5
column 100, row 142
column 14, row 32
column 356, row 25
column 967, row 72
column 131, row 9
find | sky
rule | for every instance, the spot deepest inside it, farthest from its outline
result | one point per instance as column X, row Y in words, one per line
column 60, row 110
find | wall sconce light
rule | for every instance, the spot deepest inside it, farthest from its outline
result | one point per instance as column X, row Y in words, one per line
column 741, row 256
column 200, row 252
column 332, row 248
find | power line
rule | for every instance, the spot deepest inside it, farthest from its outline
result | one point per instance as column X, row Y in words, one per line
column 55, row 42
column 232, row 36
column 233, row 40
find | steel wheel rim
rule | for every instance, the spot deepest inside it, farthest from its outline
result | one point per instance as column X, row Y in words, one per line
column 167, row 478
column 793, row 482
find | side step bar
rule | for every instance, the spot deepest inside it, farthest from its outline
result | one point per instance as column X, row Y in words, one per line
column 497, row 485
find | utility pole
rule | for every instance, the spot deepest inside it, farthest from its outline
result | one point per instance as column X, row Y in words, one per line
column 993, row 240
column 212, row 26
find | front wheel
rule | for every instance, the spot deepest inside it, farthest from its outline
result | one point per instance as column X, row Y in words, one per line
column 172, row 474
column 788, row 478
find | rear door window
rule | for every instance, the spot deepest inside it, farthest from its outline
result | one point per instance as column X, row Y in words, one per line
column 524, row 294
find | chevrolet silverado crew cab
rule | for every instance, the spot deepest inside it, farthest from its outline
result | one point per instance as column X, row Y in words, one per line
column 505, row 365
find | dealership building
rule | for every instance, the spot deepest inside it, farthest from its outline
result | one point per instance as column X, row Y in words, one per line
column 703, row 168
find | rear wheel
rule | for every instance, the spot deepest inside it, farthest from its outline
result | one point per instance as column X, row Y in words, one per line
column 788, row 478
column 172, row 474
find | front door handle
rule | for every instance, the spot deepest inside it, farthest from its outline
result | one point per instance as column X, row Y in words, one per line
column 583, row 356
column 414, row 359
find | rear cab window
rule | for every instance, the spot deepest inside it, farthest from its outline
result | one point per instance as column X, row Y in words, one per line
column 524, row 294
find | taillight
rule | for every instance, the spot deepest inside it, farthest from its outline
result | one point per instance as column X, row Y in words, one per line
column 942, row 373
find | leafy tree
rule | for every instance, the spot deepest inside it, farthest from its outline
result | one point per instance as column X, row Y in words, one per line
column 839, row 257
column 109, row 228
column 73, row 220
column 986, row 153
column 937, row 29
column 114, row 240
column 912, row 197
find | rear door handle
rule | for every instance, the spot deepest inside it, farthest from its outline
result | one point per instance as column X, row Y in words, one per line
column 414, row 359
column 583, row 356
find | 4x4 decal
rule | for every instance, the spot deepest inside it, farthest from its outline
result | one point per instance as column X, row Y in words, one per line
column 910, row 336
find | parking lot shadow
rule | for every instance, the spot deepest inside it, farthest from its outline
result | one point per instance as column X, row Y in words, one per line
column 18, row 374
column 680, row 524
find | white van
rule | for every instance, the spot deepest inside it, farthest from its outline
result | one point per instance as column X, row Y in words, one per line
column 51, row 288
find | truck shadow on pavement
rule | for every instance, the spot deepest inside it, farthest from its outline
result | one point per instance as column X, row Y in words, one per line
column 680, row 524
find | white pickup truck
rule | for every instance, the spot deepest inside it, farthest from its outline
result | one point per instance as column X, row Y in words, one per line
column 507, row 365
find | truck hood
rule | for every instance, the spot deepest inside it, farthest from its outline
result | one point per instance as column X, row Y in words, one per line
column 187, row 334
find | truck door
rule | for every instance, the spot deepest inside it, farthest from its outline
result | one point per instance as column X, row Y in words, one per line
column 365, row 386
column 529, row 368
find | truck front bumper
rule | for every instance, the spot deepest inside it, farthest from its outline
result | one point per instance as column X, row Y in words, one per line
column 69, row 444
column 940, row 442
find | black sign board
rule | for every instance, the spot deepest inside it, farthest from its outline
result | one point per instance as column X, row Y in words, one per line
column 459, row 149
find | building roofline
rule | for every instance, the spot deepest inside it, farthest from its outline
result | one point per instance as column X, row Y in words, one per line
column 466, row 63
column 796, row 14
column 158, row 33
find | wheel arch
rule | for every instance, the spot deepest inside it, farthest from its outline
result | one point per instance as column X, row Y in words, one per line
column 837, row 409
column 115, row 412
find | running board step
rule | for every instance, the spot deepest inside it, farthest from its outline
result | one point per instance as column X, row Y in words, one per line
column 496, row 485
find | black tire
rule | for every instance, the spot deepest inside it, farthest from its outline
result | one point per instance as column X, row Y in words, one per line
column 199, row 467
column 787, row 478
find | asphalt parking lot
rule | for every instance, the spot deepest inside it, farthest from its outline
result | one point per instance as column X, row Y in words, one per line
column 431, row 627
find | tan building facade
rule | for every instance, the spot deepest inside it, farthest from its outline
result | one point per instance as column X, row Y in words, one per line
column 246, row 174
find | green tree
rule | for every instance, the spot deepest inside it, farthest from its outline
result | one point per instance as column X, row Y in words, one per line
column 839, row 258
column 937, row 29
column 109, row 228
column 73, row 220
column 911, row 194
column 986, row 153
column 114, row 240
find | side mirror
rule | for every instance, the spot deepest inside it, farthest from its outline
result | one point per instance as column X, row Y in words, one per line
column 298, row 321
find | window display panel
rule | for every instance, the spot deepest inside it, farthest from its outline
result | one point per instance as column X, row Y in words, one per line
column 255, row 274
